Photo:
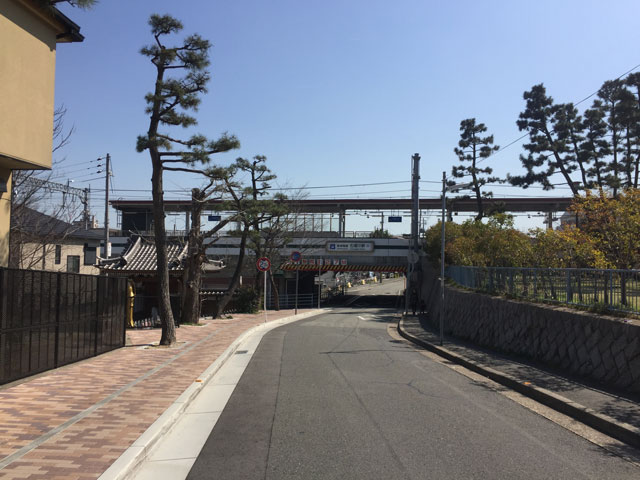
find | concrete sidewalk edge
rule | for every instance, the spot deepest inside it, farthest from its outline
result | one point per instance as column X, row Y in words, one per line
column 127, row 464
column 619, row 430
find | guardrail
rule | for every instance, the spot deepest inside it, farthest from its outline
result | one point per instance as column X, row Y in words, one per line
column 615, row 290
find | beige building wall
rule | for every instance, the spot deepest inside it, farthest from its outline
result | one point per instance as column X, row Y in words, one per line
column 32, row 257
column 28, row 36
column 27, row 77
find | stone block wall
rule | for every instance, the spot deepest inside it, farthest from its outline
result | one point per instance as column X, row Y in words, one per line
column 605, row 349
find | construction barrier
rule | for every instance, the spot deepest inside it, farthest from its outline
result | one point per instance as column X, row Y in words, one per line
column 342, row 268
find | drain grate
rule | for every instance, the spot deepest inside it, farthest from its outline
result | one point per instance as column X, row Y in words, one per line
column 240, row 352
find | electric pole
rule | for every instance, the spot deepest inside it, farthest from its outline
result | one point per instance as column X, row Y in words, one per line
column 106, row 206
column 415, row 199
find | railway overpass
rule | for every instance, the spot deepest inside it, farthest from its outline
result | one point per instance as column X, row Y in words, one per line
column 136, row 215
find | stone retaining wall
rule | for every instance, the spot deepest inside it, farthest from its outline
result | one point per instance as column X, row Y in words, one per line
column 601, row 348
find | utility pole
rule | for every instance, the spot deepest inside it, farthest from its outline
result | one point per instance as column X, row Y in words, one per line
column 85, row 213
column 442, row 240
column 415, row 199
column 106, row 206
column 413, row 256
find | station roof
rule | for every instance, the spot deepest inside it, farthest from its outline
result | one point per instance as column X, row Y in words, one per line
column 511, row 204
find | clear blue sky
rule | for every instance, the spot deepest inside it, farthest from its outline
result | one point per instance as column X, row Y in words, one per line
column 340, row 92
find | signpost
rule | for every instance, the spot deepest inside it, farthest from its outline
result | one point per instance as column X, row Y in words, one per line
column 263, row 264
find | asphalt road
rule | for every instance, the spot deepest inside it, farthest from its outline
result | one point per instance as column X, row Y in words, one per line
column 336, row 397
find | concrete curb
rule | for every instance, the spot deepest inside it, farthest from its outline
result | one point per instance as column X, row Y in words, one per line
column 127, row 464
column 624, row 432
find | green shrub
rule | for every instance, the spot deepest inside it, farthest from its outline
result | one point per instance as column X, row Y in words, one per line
column 247, row 300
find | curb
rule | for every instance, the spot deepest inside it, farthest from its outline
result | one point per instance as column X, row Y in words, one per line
column 624, row 432
column 126, row 465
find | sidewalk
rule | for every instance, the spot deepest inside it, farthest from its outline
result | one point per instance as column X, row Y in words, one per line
column 615, row 415
column 74, row 422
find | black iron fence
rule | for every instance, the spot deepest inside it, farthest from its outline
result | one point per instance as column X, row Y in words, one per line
column 616, row 290
column 288, row 301
column 49, row 319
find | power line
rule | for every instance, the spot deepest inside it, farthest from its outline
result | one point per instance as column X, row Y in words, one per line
column 576, row 103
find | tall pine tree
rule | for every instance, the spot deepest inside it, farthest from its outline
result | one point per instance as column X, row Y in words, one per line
column 549, row 152
column 181, row 78
column 473, row 148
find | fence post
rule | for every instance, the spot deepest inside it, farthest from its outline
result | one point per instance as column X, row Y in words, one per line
column 610, row 287
column 569, row 293
column 510, row 281
column 97, row 314
column 4, row 360
column 123, row 281
column 56, row 354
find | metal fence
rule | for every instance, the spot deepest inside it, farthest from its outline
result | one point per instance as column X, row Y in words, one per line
column 49, row 319
column 616, row 290
column 288, row 301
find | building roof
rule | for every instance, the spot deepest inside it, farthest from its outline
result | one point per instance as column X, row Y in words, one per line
column 140, row 257
column 32, row 222
column 67, row 30
column 512, row 204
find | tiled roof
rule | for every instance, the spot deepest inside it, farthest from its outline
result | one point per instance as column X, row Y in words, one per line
column 140, row 256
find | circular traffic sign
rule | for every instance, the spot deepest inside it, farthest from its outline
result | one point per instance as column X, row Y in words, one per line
column 263, row 264
column 296, row 256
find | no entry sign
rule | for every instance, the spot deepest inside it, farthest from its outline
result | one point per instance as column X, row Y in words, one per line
column 263, row 264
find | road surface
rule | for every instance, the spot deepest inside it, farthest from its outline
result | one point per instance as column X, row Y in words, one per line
column 337, row 397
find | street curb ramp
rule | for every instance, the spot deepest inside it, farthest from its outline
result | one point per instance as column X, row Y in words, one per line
column 619, row 430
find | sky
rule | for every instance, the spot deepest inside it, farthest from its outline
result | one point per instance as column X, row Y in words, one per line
column 338, row 93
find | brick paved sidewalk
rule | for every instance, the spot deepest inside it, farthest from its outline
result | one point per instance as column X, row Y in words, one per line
column 74, row 422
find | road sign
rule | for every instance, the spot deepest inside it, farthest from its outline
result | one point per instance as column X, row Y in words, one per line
column 214, row 218
column 296, row 256
column 395, row 219
column 263, row 264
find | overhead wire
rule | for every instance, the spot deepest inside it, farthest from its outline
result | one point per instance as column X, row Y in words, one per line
column 576, row 103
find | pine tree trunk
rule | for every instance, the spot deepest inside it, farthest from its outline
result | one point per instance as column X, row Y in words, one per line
column 195, row 258
column 235, row 279
column 168, row 336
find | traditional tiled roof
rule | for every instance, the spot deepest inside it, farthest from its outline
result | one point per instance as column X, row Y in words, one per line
column 140, row 257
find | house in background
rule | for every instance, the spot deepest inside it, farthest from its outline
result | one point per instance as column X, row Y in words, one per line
column 29, row 33
column 42, row 242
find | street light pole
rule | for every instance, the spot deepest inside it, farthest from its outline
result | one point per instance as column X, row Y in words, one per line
column 444, row 206
column 445, row 189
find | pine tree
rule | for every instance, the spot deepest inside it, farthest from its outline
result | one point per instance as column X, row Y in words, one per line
column 473, row 148
column 611, row 96
column 595, row 148
column 548, row 151
column 168, row 106
column 252, row 210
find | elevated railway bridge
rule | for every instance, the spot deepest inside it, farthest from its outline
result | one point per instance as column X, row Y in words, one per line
column 321, row 235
